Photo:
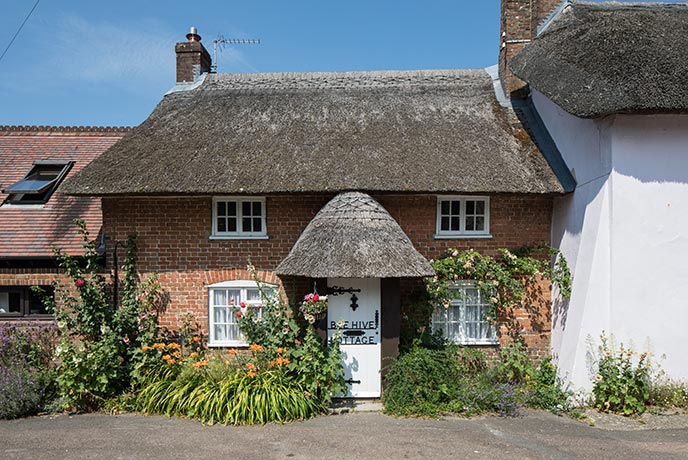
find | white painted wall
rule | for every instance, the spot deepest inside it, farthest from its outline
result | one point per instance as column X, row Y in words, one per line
column 624, row 232
column 649, row 246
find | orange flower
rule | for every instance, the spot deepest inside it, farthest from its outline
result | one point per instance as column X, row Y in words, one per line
column 169, row 360
column 158, row 346
column 251, row 374
column 195, row 339
column 255, row 347
column 193, row 355
column 233, row 352
column 145, row 348
column 201, row 363
column 173, row 346
column 177, row 354
column 281, row 350
column 251, row 366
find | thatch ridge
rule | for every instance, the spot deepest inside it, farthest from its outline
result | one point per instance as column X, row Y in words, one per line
column 353, row 236
column 387, row 131
column 597, row 59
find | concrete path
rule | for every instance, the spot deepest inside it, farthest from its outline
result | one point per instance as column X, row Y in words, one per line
column 360, row 436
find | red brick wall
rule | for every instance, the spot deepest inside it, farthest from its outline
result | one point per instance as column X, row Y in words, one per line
column 173, row 238
column 519, row 21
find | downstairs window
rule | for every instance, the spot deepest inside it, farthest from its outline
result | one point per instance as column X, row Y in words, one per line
column 224, row 301
column 465, row 321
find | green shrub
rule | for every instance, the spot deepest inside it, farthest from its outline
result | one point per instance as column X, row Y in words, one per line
column 668, row 393
column 546, row 390
column 26, row 374
column 421, row 382
column 514, row 365
column 621, row 384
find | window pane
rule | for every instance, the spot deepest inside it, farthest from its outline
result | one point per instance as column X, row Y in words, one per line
column 480, row 223
column 15, row 302
column 219, row 297
column 257, row 208
column 246, row 224
column 231, row 208
column 445, row 207
column 231, row 224
column 455, row 224
column 480, row 207
column 221, row 208
column 470, row 207
column 470, row 224
column 235, row 295
column 221, row 224
column 220, row 315
column 444, row 225
column 246, row 208
column 36, row 306
column 220, row 332
column 456, row 208
column 252, row 295
column 257, row 224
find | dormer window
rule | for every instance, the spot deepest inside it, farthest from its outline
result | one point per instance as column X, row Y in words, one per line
column 39, row 184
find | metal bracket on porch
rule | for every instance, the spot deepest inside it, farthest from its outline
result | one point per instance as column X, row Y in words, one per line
column 336, row 290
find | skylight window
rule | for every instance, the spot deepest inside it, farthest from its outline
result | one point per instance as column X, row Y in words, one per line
column 39, row 184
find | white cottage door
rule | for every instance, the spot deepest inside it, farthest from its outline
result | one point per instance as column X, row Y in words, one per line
column 355, row 305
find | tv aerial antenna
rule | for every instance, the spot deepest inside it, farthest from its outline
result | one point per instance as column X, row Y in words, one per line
column 220, row 42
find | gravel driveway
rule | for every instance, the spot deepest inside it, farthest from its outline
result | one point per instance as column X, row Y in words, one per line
column 536, row 435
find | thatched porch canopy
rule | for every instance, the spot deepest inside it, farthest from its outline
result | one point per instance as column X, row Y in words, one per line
column 353, row 236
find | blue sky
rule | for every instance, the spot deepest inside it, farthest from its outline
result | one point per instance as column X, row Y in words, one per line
column 109, row 63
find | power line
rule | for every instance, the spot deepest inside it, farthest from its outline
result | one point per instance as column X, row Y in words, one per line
column 19, row 30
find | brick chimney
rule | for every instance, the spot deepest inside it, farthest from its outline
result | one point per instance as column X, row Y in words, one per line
column 192, row 58
column 520, row 19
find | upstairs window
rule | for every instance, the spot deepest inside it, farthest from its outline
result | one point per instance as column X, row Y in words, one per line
column 239, row 217
column 463, row 216
column 465, row 321
column 224, row 301
column 21, row 301
column 39, row 184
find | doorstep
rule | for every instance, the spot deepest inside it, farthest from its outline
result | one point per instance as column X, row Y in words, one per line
column 344, row 406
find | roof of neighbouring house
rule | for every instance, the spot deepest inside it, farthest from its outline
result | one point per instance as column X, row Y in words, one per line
column 596, row 59
column 353, row 236
column 415, row 131
column 29, row 231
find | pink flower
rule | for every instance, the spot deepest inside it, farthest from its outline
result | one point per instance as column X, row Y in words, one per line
column 231, row 301
column 125, row 339
column 80, row 282
column 238, row 314
column 242, row 305
column 308, row 297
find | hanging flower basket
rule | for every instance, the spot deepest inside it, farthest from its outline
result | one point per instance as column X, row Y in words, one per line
column 314, row 307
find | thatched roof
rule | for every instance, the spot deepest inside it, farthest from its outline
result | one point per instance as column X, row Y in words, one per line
column 416, row 131
column 353, row 236
column 596, row 59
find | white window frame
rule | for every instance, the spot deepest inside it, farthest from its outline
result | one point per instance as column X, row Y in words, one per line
column 462, row 232
column 439, row 318
column 240, row 285
column 239, row 234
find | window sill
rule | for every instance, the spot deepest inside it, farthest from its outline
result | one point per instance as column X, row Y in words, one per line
column 228, row 345
column 239, row 237
column 462, row 236
column 483, row 343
